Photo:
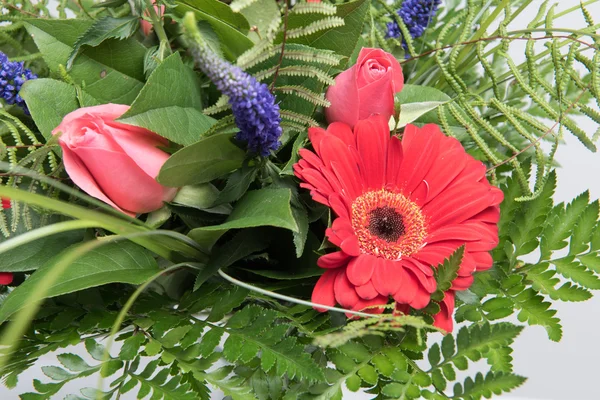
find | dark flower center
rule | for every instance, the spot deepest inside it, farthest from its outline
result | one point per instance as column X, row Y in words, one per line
column 386, row 223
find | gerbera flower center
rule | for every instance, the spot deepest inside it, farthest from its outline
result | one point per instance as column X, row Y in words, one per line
column 388, row 224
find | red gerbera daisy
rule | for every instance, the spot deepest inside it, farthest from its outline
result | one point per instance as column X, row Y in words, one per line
column 402, row 206
column 5, row 203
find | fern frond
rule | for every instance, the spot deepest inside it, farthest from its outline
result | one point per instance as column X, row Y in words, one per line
column 314, row 8
column 239, row 5
column 316, row 26
column 306, row 94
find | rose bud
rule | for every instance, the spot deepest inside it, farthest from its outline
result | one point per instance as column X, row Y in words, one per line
column 366, row 88
column 114, row 162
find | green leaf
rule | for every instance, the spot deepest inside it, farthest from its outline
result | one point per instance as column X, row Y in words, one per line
column 475, row 340
column 536, row 311
column 170, row 104
column 434, row 355
column 113, row 72
column 201, row 162
column 560, row 224
column 500, row 359
column 230, row 27
column 237, row 184
column 418, row 102
column 73, row 362
column 368, row 374
column 264, row 207
column 38, row 252
column 131, row 347
column 582, row 233
column 48, row 115
column 353, row 383
column 103, row 29
column 243, row 244
column 393, row 390
column 123, row 262
column 109, row 3
column 260, row 13
column 491, row 384
column 448, row 271
column 410, row 112
column 201, row 196
column 545, row 280
column 577, row 272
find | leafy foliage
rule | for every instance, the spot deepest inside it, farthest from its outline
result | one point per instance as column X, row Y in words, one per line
column 189, row 332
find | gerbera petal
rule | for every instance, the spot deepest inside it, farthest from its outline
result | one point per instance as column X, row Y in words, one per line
column 394, row 161
column 387, row 276
column 421, row 299
column 416, row 162
column 315, row 135
column 483, row 259
column 443, row 319
column 311, row 158
column 345, row 294
column 440, row 175
column 368, row 305
column 336, row 154
column 427, row 282
column 333, row 237
column 474, row 171
column 367, row 291
column 333, row 260
column 372, row 137
column 323, row 291
column 342, row 131
column 490, row 214
column 408, row 288
column 316, row 179
column 458, row 204
column 350, row 246
column 360, row 269
column 338, row 206
column 462, row 282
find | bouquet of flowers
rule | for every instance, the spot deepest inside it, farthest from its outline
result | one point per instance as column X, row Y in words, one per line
column 287, row 199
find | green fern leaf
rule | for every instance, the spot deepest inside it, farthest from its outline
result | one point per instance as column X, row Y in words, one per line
column 486, row 387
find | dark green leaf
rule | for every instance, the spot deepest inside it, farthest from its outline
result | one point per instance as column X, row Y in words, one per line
column 113, row 72
column 202, row 161
column 243, row 244
column 237, row 184
column 116, row 262
column 38, row 252
column 103, row 29
column 265, row 207
column 170, row 104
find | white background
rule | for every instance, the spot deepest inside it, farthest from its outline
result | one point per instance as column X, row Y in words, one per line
column 569, row 370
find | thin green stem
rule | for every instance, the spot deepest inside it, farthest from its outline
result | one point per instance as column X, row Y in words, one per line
column 292, row 299
column 578, row 32
column 165, row 47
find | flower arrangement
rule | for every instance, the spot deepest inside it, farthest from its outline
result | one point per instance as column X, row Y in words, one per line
column 287, row 199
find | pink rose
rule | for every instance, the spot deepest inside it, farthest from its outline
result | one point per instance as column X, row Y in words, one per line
column 366, row 88
column 114, row 162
